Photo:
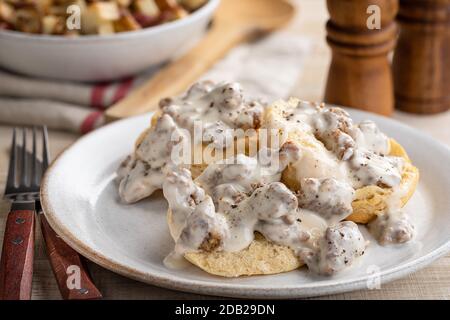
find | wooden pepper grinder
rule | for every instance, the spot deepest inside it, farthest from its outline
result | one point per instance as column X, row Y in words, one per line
column 360, row 73
column 422, row 57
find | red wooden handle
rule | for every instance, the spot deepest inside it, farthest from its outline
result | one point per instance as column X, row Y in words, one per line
column 73, row 278
column 16, row 266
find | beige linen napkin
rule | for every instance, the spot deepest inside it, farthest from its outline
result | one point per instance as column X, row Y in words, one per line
column 267, row 69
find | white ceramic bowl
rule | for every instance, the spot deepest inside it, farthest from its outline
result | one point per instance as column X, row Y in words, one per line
column 95, row 58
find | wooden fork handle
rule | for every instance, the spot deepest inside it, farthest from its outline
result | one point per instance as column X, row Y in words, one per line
column 16, row 265
column 70, row 272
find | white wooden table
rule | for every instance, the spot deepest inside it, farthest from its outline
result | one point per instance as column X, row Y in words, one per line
column 430, row 283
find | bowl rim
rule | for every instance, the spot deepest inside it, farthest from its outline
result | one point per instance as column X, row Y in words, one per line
column 204, row 11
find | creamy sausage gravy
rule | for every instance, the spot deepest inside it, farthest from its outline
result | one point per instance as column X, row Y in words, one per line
column 354, row 153
column 144, row 171
column 223, row 207
column 352, row 156
column 220, row 108
column 234, row 198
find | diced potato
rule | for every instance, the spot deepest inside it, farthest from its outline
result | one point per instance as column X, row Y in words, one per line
column 7, row 12
column 192, row 5
column 49, row 24
column 53, row 25
column 147, row 21
column 61, row 2
column 105, row 27
column 97, row 16
column 58, row 10
column 43, row 6
column 27, row 20
column 147, row 7
column 105, row 10
column 172, row 9
column 123, row 3
column 178, row 13
column 166, row 4
column 16, row 2
column 81, row 3
column 126, row 22
column 89, row 22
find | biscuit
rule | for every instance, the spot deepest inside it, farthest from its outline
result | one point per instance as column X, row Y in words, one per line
column 264, row 257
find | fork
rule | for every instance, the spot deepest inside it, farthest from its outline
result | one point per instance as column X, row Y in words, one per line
column 61, row 256
column 22, row 187
column 16, row 264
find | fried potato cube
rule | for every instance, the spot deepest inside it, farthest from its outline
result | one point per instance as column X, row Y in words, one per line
column 105, row 27
column 192, row 5
column 166, row 4
column 105, row 10
column 53, row 25
column 124, row 3
column 7, row 12
column 126, row 22
column 172, row 9
column 147, row 8
column 57, row 10
column 43, row 6
column 18, row 2
column 28, row 20
column 62, row 2
column 98, row 18
column 89, row 23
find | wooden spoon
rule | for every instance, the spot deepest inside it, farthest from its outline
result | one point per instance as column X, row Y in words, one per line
column 235, row 21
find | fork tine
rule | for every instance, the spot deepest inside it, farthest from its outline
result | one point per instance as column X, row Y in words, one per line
column 34, row 173
column 11, row 180
column 23, row 156
column 45, row 150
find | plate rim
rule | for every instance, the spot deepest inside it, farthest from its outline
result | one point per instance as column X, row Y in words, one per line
column 230, row 289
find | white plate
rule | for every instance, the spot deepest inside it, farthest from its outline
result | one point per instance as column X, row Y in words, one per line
column 81, row 204
column 105, row 57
